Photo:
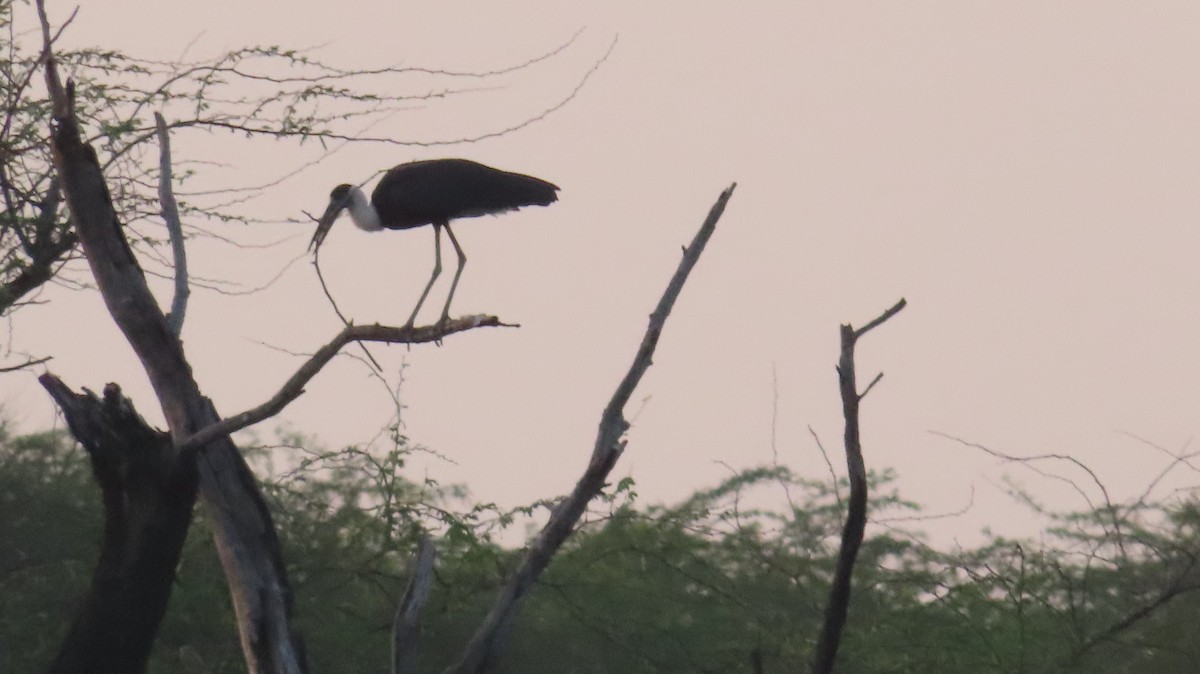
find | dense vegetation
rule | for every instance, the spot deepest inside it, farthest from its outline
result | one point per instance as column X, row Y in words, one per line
column 713, row 584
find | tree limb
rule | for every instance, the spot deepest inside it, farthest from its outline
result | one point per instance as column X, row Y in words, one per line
column 856, row 514
column 483, row 652
column 294, row 386
column 170, row 213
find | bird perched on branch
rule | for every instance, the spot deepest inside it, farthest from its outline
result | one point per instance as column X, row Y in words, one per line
column 434, row 192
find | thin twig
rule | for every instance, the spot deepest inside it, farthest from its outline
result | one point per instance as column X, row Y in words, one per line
column 928, row 518
column 1182, row 456
column 783, row 482
column 28, row 363
column 345, row 321
column 1028, row 461
column 388, row 140
column 833, row 478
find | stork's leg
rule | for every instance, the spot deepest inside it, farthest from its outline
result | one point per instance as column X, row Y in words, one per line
column 462, row 262
column 437, row 269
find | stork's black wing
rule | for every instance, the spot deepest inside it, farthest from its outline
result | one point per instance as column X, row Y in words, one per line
column 439, row 190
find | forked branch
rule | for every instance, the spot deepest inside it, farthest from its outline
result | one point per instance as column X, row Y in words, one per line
column 856, row 514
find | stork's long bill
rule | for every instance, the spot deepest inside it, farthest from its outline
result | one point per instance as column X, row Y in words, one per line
column 337, row 203
column 350, row 198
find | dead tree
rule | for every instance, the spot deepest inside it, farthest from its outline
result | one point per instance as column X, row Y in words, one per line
column 483, row 652
column 148, row 490
column 856, row 512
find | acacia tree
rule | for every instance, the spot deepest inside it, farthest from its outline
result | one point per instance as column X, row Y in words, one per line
column 198, row 446
column 248, row 94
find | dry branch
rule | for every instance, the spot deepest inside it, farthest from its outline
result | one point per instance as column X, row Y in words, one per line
column 1028, row 462
column 170, row 213
column 856, row 514
column 294, row 386
column 28, row 363
column 483, row 652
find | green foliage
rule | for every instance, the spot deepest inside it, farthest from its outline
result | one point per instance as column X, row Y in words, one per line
column 50, row 523
column 714, row 584
column 705, row 586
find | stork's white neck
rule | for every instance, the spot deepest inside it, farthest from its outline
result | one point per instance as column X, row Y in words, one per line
column 361, row 212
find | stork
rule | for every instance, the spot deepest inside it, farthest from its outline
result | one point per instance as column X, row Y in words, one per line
column 434, row 192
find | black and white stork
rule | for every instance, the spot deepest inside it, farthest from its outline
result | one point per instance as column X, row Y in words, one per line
column 434, row 192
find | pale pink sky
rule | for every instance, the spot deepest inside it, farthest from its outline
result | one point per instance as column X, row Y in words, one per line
column 1026, row 174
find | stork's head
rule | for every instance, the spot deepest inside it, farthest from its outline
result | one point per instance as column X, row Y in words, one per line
column 339, row 199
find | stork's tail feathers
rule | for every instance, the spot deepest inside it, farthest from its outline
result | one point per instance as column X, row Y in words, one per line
column 533, row 191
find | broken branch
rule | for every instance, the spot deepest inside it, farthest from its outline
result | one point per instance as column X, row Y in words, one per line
column 856, row 513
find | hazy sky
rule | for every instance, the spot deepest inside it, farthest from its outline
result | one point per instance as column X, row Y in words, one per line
column 1026, row 174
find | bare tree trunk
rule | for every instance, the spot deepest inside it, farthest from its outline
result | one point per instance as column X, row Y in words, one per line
column 149, row 491
column 244, row 532
column 856, row 513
